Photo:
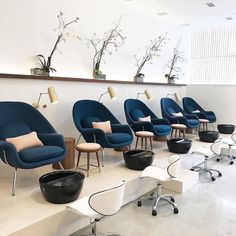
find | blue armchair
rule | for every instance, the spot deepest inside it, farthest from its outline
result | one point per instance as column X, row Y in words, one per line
column 135, row 109
column 190, row 105
column 169, row 106
column 18, row 118
column 87, row 111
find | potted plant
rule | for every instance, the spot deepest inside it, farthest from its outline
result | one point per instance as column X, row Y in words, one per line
column 172, row 65
column 111, row 38
column 151, row 51
column 63, row 31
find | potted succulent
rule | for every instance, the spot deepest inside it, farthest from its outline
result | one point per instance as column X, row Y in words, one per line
column 151, row 51
column 63, row 31
column 111, row 38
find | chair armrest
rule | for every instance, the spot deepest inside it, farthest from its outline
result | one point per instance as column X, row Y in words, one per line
column 8, row 153
column 157, row 121
column 54, row 139
column 191, row 116
column 210, row 113
column 119, row 128
column 178, row 120
column 143, row 125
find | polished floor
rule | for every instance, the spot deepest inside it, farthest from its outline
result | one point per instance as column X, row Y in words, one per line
column 208, row 208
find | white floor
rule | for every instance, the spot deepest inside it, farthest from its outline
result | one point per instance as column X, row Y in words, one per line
column 207, row 204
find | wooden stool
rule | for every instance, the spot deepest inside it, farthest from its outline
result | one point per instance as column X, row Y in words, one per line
column 203, row 123
column 178, row 128
column 88, row 148
column 144, row 135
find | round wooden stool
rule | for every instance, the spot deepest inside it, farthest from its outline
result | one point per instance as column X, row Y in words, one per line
column 144, row 135
column 88, row 148
column 203, row 123
column 178, row 128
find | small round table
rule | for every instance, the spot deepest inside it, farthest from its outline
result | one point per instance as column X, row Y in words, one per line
column 88, row 148
column 144, row 135
column 178, row 128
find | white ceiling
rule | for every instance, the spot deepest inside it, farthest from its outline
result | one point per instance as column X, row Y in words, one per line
column 193, row 12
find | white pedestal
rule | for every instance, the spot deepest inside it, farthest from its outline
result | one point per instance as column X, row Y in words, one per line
column 185, row 180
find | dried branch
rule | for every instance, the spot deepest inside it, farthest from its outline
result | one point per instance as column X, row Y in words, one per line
column 177, row 57
column 151, row 50
column 111, row 39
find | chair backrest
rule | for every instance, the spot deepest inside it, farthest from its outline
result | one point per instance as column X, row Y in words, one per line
column 216, row 146
column 169, row 106
column 191, row 105
column 19, row 118
column 109, row 201
column 174, row 165
column 135, row 109
column 87, row 111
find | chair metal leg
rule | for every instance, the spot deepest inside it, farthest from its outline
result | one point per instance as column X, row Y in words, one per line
column 14, row 182
column 62, row 168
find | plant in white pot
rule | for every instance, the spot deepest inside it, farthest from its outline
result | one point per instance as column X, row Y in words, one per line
column 112, row 38
column 64, row 31
column 151, row 51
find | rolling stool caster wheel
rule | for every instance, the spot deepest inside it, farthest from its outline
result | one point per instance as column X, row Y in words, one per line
column 176, row 210
column 192, row 169
column 139, row 204
column 219, row 174
column 172, row 199
column 234, row 157
column 154, row 212
column 213, row 178
column 231, row 162
column 217, row 159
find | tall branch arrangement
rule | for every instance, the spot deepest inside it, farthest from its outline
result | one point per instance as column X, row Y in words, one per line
column 178, row 56
column 151, row 51
column 113, row 38
column 63, row 32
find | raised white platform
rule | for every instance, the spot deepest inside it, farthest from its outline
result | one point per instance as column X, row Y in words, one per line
column 28, row 213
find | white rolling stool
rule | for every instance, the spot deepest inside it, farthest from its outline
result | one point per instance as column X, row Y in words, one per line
column 231, row 143
column 161, row 175
column 103, row 203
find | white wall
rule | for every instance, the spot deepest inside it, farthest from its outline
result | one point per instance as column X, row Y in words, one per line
column 26, row 29
column 218, row 98
column 60, row 115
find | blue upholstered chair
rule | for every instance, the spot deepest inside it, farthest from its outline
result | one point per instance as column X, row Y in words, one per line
column 87, row 111
column 18, row 118
column 192, row 107
column 135, row 109
column 169, row 106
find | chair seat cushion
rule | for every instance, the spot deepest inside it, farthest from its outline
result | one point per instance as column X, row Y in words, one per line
column 162, row 129
column 35, row 154
column 193, row 122
column 118, row 137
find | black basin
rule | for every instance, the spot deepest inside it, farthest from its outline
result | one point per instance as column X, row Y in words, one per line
column 208, row 136
column 226, row 128
column 178, row 145
column 61, row 186
column 138, row 159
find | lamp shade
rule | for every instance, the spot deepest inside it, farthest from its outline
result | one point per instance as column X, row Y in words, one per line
column 52, row 95
column 147, row 95
column 111, row 92
column 177, row 97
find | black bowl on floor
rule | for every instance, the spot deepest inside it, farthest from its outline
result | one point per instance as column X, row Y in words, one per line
column 61, row 186
column 178, row 145
column 138, row 159
column 208, row 136
column 226, row 128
